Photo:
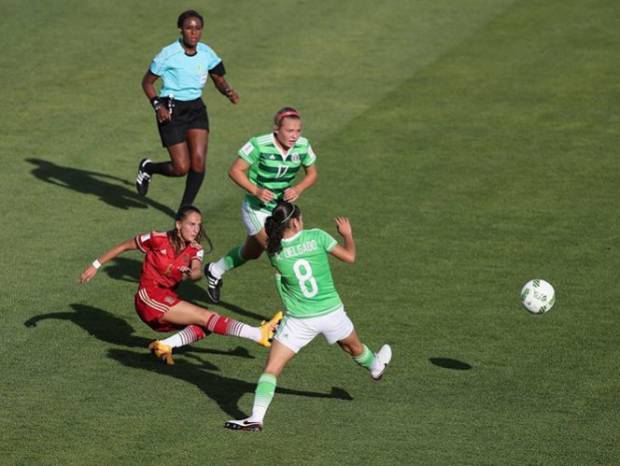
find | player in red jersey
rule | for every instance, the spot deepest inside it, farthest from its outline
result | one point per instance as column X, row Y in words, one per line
column 171, row 257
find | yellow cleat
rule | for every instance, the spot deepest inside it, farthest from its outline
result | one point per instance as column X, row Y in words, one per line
column 162, row 351
column 268, row 329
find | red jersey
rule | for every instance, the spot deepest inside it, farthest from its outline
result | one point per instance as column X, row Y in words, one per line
column 161, row 265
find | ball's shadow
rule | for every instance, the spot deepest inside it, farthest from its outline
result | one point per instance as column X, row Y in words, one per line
column 448, row 363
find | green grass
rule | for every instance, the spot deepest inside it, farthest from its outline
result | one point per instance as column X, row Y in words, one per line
column 472, row 143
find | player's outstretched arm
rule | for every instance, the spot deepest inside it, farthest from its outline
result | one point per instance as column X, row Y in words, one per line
column 91, row 270
column 346, row 251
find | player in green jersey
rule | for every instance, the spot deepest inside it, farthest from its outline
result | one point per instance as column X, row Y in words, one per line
column 312, row 303
column 266, row 168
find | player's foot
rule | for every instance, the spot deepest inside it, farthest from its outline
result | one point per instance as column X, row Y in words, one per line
column 143, row 179
column 382, row 359
column 268, row 329
column 214, row 285
column 162, row 351
column 244, row 424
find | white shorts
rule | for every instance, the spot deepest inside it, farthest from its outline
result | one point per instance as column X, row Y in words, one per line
column 253, row 219
column 295, row 333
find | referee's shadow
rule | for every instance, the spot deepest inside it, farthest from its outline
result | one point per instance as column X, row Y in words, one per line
column 225, row 391
column 110, row 189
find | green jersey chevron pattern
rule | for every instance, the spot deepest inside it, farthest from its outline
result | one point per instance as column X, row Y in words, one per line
column 272, row 170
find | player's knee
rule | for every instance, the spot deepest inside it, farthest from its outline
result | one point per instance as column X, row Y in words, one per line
column 180, row 168
column 198, row 163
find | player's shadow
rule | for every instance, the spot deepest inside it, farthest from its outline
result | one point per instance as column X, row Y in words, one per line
column 109, row 328
column 225, row 391
column 125, row 269
column 112, row 190
column 448, row 363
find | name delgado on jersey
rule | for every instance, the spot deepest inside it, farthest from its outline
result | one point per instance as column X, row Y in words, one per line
column 298, row 250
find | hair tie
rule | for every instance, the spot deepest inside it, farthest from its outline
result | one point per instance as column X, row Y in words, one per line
column 288, row 217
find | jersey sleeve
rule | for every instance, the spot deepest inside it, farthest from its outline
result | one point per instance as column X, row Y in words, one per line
column 198, row 254
column 327, row 241
column 249, row 152
column 158, row 65
column 309, row 158
column 211, row 57
column 144, row 241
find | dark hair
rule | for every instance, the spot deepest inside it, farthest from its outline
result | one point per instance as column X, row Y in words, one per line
column 279, row 221
column 286, row 112
column 189, row 14
column 173, row 235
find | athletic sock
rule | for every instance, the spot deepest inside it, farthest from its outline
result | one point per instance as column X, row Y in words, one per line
column 265, row 390
column 161, row 168
column 366, row 359
column 192, row 186
column 223, row 325
column 188, row 335
column 231, row 260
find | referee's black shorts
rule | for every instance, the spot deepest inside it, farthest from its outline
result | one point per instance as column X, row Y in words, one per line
column 186, row 115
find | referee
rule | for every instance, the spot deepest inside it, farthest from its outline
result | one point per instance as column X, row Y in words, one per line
column 184, row 67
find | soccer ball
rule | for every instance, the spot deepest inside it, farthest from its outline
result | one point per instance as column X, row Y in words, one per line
column 538, row 296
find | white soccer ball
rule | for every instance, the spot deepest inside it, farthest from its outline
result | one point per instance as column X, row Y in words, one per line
column 538, row 296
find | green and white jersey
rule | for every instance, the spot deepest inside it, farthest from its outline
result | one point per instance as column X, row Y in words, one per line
column 305, row 279
column 272, row 169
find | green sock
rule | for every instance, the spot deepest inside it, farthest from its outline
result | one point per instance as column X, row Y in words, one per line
column 234, row 258
column 265, row 390
column 231, row 260
column 366, row 358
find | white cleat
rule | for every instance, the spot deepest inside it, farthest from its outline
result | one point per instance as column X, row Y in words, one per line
column 244, row 425
column 382, row 359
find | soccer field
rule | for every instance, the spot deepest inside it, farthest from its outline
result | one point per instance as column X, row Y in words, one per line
column 472, row 143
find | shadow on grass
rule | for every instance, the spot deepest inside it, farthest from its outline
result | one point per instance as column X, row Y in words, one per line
column 112, row 190
column 109, row 328
column 448, row 363
column 225, row 391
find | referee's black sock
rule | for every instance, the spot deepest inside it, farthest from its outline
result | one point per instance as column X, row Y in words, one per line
column 192, row 186
column 161, row 168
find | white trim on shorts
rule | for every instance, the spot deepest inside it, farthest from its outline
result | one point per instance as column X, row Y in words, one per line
column 253, row 219
column 295, row 333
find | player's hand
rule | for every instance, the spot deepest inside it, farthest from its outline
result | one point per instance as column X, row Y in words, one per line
column 186, row 272
column 264, row 195
column 232, row 95
column 163, row 115
column 291, row 195
column 88, row 274
column 344, row 226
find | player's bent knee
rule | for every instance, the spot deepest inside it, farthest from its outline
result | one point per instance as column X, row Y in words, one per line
column 180, row 170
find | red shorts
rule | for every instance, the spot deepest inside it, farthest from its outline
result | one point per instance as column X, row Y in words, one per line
column 152, row 304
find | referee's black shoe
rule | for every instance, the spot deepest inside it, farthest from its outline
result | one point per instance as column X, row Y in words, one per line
column 143, row 179
column 213, row 285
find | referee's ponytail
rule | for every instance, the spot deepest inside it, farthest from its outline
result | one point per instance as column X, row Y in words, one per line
column 277, row 223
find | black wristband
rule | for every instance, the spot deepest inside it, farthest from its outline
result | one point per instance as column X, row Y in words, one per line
column 155, row 103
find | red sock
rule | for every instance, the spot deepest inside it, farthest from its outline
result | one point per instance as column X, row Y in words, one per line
column 227, row 326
